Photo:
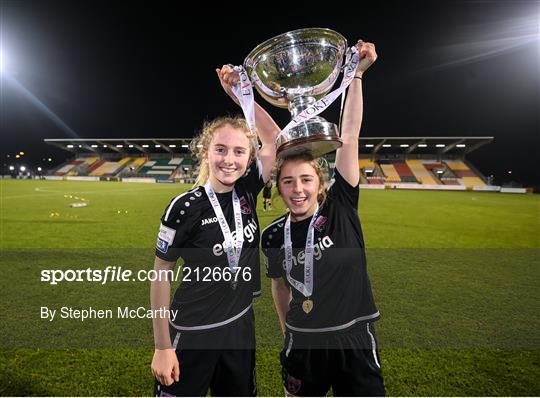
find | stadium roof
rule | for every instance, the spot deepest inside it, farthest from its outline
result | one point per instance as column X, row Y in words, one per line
column 380, row 145
column 122, row 145
column 422, row 145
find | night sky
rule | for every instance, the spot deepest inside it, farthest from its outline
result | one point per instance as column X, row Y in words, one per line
column 136, row 70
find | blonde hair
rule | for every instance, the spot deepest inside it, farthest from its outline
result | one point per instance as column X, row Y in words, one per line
column 318, row 164
column 199, row 145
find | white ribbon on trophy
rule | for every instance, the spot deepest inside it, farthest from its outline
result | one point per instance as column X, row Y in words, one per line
column 352, row 61
column 243, row 91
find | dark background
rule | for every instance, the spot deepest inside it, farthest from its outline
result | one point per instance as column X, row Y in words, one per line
column 126, row 69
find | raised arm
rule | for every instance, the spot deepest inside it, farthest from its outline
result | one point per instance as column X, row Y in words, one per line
column 347, row 155
column 267, row 129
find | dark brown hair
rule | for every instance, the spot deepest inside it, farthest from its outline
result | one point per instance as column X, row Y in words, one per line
column 318, row 164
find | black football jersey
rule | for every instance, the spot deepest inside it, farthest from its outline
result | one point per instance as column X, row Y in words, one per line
column 190, row 230
column 342, row 293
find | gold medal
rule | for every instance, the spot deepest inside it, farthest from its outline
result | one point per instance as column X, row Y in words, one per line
column 307, row 306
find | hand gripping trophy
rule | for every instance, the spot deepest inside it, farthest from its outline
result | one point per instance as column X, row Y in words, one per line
column 296, row 70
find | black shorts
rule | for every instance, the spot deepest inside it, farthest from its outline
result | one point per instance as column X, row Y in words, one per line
column 349, row 364
column 225, row 371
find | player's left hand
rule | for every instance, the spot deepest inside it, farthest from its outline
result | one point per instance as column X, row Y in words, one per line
column 367, row 54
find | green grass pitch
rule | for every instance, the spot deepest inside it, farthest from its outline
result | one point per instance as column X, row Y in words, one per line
column 455, row 276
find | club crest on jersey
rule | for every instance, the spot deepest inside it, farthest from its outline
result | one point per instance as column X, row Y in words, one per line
column 244, row 206
column 319, row 223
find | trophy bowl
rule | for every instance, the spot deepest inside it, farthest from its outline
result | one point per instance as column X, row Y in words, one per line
column 294, row 70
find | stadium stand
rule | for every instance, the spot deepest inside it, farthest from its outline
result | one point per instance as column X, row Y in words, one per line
column 420, row 172
column 133, row 168
column 82, row 168
column 370, row 172
column 405, row 172
column 66, row 168
column 394, row 162
column 366, row 164
column 75, row 167
column 95, row 166
column 162, row 168
column 463, row 172
column 390, row 173
column 110, row 169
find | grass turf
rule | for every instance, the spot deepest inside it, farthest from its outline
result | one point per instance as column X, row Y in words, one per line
column 455, row 276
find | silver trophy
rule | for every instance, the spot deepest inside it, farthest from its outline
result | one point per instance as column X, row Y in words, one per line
column 295, row 70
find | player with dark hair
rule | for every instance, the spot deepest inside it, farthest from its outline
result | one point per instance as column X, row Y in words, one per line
column 315, row 256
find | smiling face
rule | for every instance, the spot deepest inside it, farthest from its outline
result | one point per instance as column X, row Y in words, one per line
column 299, row 186
column 228, row 157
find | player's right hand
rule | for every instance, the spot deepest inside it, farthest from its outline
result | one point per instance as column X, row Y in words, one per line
column 165, row 366
column 228, row 78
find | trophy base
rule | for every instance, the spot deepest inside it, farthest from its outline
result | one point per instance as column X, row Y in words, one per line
column 315, row 136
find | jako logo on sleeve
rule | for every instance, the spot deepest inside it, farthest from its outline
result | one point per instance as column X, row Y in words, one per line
column 210, row 220
column 165, row 238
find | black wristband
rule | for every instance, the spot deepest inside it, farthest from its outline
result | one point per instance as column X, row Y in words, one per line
column 358, row 77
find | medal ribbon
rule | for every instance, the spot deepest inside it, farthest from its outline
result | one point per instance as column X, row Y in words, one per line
column 233, row 247
column 305, row 288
